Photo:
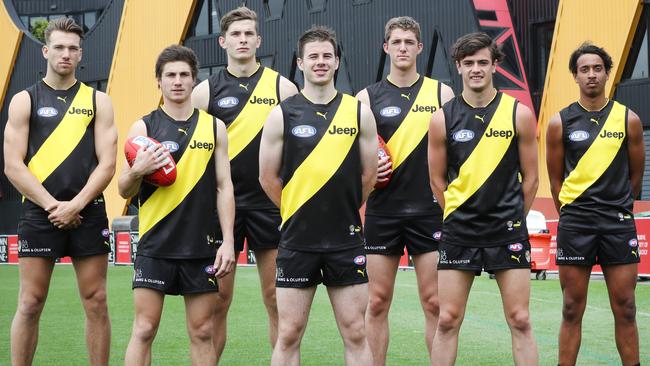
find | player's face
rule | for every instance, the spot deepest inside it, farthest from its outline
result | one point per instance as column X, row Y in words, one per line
column 176, row 82
column 591, row 76
column 241, row 40
column 402, row 48
column 319, row 62
column 476, row 70
column 63, row 52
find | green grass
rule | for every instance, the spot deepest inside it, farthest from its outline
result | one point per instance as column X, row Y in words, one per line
column 484, row 339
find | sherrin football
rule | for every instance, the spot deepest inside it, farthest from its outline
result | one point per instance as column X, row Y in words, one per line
column 382, row 151
column 164, row 176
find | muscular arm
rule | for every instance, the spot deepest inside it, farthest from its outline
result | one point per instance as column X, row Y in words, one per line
column 636, row 151
column 201, row 95
column 446, row 94
column 437, row 153
column 271, row 155
column 384, row 165
column 555, row 158
column 368, row 150
column 527, row 140
column 225, row 260
column 287, row 88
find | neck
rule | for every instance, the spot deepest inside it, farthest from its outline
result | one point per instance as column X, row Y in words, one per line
column 178, row 111
column 319, row 94
column 403, row 78
column 479, row 99
column 59, row 82
column 242, row 68
column 593, row 103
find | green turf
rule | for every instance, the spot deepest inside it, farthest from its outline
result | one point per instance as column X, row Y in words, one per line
column 484, row 339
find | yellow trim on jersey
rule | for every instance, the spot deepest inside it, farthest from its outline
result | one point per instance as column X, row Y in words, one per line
column 597, row 158
column 66, row 136
column 414, row 126
column 189, row 170
column 250, row 120
column 487, row 155
column 321, row 164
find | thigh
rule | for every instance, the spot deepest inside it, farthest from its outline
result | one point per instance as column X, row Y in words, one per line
column 265, row 259
column 263, row 228
column 576, row 248
column 459, row 257
column 39, row 238
column 618, row 248
column 91, row 273
column 621, row 282
column 422, row 234
column 349, row 302
column 297, row 269
column 35, row 274
column 514, row 285
column 196, row 276
column 148, row 305
column 453, row 290
column 155, row 274
column 294, row 305
column 199, row 309
column 509, row 256
column 383, row 235
column 344, row 267
column 382, row 270
column 426, row 272
column 90, row 238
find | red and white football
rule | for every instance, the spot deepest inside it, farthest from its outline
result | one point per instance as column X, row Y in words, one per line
column 382, row 151
column 164, row 176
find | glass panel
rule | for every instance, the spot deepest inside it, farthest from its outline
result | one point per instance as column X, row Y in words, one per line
column 90, row 18
column 201, row 28
column 641, row 66
column 203, row 74
column 214, row 17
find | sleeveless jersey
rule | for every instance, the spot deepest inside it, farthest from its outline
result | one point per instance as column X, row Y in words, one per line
column 321, row 175
column 402, row 116
column 178, row 221
column 243, row 103
column 596, row 194
column 61, row 144
column 484, row 202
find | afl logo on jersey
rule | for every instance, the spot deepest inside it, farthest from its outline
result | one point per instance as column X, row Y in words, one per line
column 360, row 260
column 47, row 112
column 303, row 131
column 516, row 247
column 463, row 135
column 579, row 135
column 633, row 243
column 391, row 111
column 172, row 146
column 228, row 102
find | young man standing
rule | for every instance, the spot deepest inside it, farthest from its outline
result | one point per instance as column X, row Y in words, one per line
column 59, row 148
column 318, row 162
column 176, row 251
column 405, row 212
column 483, row 167
column 242, row 95
column 595, row 157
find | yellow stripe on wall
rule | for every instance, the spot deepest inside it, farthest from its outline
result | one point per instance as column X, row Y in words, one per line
column 9, row 44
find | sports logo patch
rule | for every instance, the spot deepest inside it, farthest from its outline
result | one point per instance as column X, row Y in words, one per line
column 390, row 111
column 360, row 260
column 47, row 112
column 437, row 235
column 633, row 243
column 463, row 135
column 172, row 146
column 210, row 270
column 579, row 135
column 303, row 131
column 105, row 233
column 227, row 102
column 516, row 247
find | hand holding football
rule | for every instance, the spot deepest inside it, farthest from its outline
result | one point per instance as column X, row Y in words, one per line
column 153, row 160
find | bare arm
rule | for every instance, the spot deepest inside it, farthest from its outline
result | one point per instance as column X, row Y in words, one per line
column 437, row 153
column 384, row 165
column 225, row 259
column 635, row 151
column 446, row 94
column 271, row 155
column 287, row 88
column 527, row 140
column 201, row 95
column 555, row 158
column 368, row 150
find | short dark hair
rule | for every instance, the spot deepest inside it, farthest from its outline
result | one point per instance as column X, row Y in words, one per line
column 235, row 15
column 404, row 23
column 317, row 33
column 471, row 43
column 589, row 48
column 63, row 24
column 175, row 53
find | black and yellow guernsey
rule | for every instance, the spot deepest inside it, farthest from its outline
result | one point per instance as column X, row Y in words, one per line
column 178, row 221
column 596, row 194
column 321, row 175
column 243, row 103
column 402, row 116
column 61, row 144
column 484, row 202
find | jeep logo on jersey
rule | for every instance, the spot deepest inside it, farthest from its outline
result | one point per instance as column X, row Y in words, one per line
column 610, row 134
column 258, row 100
column 47, row 112
column 172, row 146
column 463, row 135
column 578, row 136
column 227, row 102
column 424, row 108
column 499, row 133
column 84, row 111
column 342, row 131
column 391, row 111
column 303, row 131
column 516, row 247
column 201, row 145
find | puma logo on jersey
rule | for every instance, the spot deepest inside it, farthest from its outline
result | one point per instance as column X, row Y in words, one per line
column 594, row 120
column 407, row 96
column 211, row 281
column 62, row 99
column 361, row 272
column 245, row 86
column 479, row 117
column 516, row 258
column 324, row 115
column 183, row 131
column 634, row 254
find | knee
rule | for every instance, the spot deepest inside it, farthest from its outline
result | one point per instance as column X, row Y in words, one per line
column 378, row 304
column 95, row 303
column 625, row 310
column 519, row 320
column 353, row 332
column 573, row 310
column 31, row 305
column 201, row 332
column 269, row 298
column 289, row 334
column 430, row 305
column 223, row 303
column 144, row 330
column 449, row 321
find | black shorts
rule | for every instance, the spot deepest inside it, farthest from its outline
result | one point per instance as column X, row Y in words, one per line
column 587, row 249
column 39, row 238
column 175, row 276
column 260, row 228
column 387, row 235
column 307, row 269
column 490, row 259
